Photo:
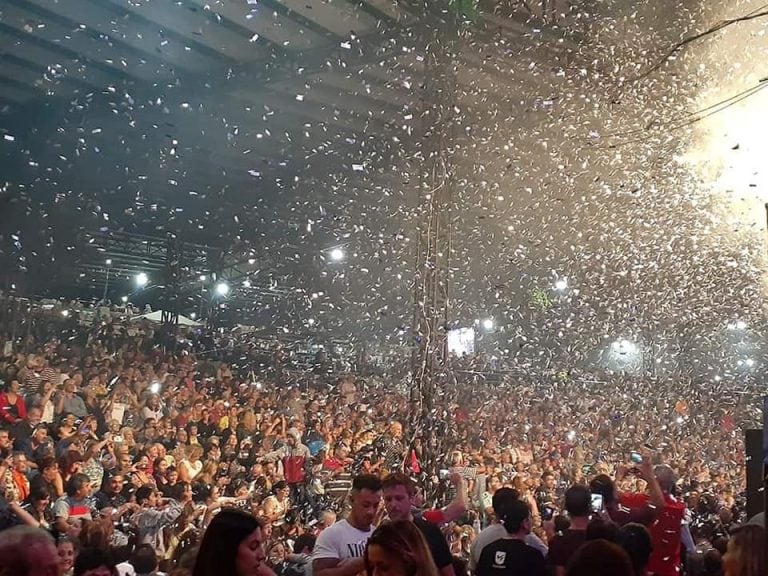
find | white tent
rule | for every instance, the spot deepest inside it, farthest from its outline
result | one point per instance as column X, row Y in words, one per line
column 157, row 317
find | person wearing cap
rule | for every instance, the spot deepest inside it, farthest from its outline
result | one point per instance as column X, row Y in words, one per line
column 295, row 458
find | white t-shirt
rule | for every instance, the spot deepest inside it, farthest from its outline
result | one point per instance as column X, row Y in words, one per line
column 342, row 541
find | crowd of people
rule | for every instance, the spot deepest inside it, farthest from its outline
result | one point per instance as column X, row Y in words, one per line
column 137, row 457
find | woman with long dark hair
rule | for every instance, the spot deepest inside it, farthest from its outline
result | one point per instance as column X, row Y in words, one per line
column 233, row 545
column 746, row 554
column 398, row 549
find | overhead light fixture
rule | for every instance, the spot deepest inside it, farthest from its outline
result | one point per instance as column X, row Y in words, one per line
column 337, row 254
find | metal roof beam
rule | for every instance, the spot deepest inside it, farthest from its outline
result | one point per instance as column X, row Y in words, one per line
column 61, row 62
column 277, row 28
column 26, row 17
column 197, row 29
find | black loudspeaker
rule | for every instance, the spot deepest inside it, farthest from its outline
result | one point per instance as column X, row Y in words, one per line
column 753, row 443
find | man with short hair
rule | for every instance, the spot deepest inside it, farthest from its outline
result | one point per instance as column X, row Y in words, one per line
column 546, row 495
column 68, row 402
column 511, row 556
column 22, row 430
column 578, row 504
column 496, row 531
column 37, row 445
column 399, row 492
column 299, row 563
column 5, row 442
column 294, row 457
column 111, row 495
column 152, row 518
column 340, row 549
column 74, row 504
column 19, row 475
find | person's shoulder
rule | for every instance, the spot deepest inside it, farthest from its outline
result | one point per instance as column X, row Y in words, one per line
column 334, row 530
column 426, row 526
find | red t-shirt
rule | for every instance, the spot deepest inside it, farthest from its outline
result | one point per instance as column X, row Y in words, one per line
column 435, row 516
column 665, row 533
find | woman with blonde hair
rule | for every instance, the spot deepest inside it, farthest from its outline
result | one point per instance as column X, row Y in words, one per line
column 746, row 554
column 248, row 423
column 190, row 464
column 398, row 549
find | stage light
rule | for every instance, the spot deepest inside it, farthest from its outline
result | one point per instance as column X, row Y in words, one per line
column 65, row 313
column 251, row 261
column 154, row 387
column 311, row 321
column 749, row 362
column 109, row 262
column 624, row 346
column 337, row 254
column 193, row 315
column 246, row 283
column 203, row 278
column 488, row 324
column 561, row 284
column 124, row 299
column 142, row 279
column 222, row 288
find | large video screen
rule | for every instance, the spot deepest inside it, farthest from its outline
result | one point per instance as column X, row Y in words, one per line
column 461, row 341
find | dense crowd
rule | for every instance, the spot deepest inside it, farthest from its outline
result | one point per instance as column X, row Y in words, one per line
column 115, row 442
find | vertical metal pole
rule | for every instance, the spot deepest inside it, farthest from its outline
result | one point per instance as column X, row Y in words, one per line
column 106, row 286
column 433, row 246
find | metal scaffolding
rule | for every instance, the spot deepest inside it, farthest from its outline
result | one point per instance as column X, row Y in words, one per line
column 432, row 274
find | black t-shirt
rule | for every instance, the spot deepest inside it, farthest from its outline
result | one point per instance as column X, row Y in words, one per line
column 564, row 545
column 508, row 557
column 437, row 543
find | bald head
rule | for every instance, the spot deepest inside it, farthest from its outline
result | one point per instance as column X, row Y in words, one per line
column 666, row 478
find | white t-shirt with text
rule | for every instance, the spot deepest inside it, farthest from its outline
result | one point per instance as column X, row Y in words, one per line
column 341, row 541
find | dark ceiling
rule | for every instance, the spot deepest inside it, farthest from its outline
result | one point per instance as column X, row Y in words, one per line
column 200, row 119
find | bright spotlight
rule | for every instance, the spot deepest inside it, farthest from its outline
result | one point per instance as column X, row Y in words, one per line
column 142, row 279
column 154, row 387
column 109, row 262
column 738, row 325
column 222, row 288
column 749, row 362
column 251, row 261
column 124, row 299
column 311, row 321
column 337, row 254
column 624, row 346
column 203, row 277
column 65, row 313
column 246, row 283
column 561, row 284
column 488, row 324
